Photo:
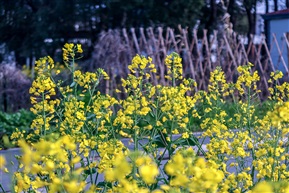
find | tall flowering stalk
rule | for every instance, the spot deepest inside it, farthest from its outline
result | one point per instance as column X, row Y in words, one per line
column 42, row 92
column 174, row 66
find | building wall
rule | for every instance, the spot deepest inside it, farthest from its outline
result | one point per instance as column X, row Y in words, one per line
column 279, row 27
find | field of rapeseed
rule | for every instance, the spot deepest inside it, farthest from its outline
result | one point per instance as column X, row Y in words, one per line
column 77, row 131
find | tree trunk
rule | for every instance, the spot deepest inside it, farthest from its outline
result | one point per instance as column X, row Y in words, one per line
column 275, row 5
column 251, row 17
column 231, row 8
column 287, row 4
column 251, row 21
column 267, row 6
column 210, row 25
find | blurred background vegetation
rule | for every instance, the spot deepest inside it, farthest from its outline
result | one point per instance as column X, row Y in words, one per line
column 41, row 27
column 30, row 29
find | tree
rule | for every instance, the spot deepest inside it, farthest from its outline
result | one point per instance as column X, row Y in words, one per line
column 211, row 23
column 275, row 5
column 26, row 24
column 183, row 12
column 266, row 6
column 143, row 13
column 213, row 17
column 250, row 7
column 40, row 27
column 238, row 16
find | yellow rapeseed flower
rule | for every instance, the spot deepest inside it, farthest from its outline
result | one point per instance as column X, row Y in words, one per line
column 262, row 187
column 2, row 162
column 149, row 173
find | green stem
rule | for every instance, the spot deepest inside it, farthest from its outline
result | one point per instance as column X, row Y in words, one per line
column 199, row 145
column 43, row 114
column 90, row 170
column 96, row 177
column 73, row 76
column 91, row 93
column 171, row 139
column 274, row 153
column 249, row 130
column 161, row 157
column 248, row 110
column 173, row 76
column 135, row 139
column 73, row 68
column 2, row 188
column 47, row 189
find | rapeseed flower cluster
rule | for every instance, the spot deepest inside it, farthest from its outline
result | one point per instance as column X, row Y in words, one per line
column 133, row 173
column 260, row 140
column 70, row 50
column 279, row 92
column 174, row 66
column 77, row 131
column 50, row 164
column 42, row 91
column 189, row 173
column 247, row 80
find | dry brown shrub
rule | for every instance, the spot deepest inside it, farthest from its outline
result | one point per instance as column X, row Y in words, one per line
column 14, row 89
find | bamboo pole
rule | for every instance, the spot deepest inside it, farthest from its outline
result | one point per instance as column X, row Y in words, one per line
column 230, row 51
column 132, row 30
column 286, row 38
column 268, row 54
column 192, row 69
column 157, row 56
column 280, row 53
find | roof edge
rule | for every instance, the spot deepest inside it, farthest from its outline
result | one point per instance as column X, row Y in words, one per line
column 284, row 13
column 279, row 16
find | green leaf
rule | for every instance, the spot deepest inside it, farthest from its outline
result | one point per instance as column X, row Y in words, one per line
column 104, row 183
column 73, row 84
column 90, row 171
column 159, row 141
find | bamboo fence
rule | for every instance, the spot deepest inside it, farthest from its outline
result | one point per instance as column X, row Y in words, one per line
column 201, row 54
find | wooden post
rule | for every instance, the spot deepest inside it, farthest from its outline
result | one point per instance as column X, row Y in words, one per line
column 192, row 69
column 135, row 40
column 128, row 46
column 157, row 56
column 172, row 34
column 230, row 51
column 161, row 39
column 208, row 54
column 198, row 63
